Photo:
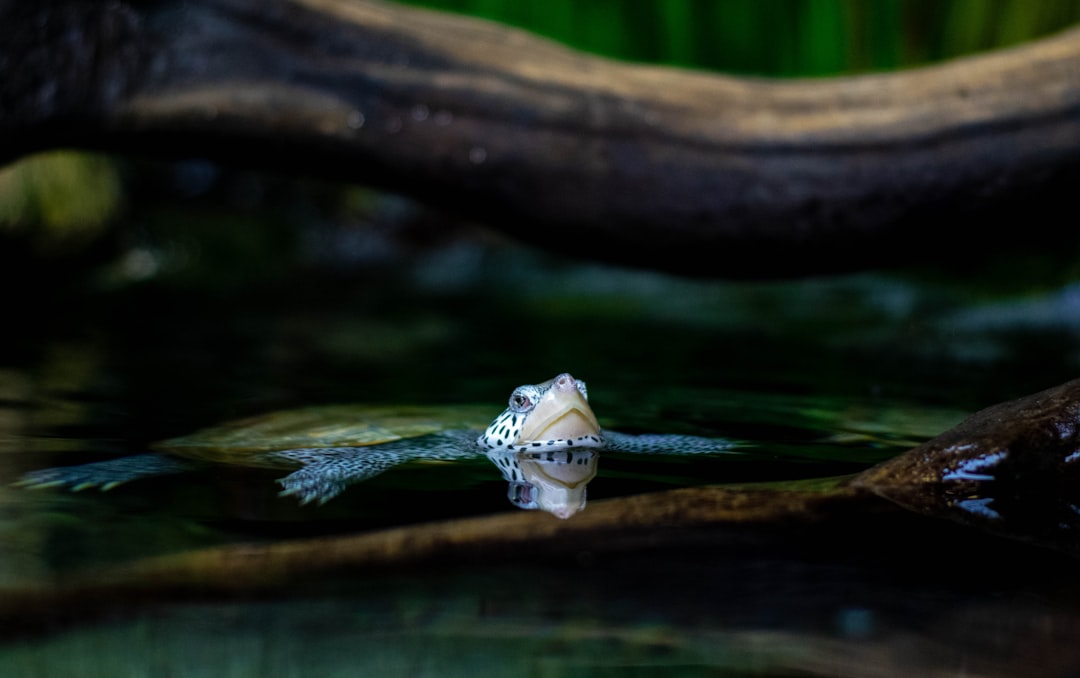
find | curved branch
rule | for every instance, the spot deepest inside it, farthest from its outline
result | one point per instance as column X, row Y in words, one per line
column 673, row 519
column 656, row 166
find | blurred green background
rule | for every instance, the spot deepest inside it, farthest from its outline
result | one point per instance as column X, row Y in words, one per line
column 60, row 201
column 779, row 37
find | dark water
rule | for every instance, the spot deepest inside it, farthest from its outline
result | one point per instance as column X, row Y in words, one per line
column 821, row 377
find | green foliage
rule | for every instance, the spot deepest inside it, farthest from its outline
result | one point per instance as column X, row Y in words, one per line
column 780, row 37
column 66, row 197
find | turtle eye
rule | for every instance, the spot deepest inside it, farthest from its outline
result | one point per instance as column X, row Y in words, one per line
column 520, row 402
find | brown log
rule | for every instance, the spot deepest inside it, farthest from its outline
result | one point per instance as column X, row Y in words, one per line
column 686, row 518
column 654, row 166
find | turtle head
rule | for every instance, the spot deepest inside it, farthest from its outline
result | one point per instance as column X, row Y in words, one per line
column 554, row 414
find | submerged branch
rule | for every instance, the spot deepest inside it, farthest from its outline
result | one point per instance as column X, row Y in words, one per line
column 654, row 166
column 684, row 518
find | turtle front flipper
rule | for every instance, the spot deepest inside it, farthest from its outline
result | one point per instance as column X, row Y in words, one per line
column 653, row 443
column 326, row 471
column 104, row 474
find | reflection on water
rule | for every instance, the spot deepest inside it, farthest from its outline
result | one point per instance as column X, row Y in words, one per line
column 1042, row 508
column 550, row 481
column 1045, row 513
column 820, row 378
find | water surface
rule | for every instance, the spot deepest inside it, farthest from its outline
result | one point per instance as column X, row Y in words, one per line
column 819, row 378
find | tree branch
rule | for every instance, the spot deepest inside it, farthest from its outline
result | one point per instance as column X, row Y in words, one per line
column 656, row 166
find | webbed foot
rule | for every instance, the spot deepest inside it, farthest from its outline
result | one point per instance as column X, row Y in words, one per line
column 104, row 475
column 326, row 472
column 309, row 485
column 64, row 477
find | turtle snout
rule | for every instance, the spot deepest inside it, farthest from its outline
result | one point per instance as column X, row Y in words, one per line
column 565, row 382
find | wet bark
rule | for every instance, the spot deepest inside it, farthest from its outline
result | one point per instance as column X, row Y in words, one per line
column 654, row 166
column 1012, row 469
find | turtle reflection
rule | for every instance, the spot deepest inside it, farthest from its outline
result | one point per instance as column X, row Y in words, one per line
column 552, row 481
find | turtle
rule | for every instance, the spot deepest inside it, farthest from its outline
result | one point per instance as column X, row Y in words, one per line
column 546, row 444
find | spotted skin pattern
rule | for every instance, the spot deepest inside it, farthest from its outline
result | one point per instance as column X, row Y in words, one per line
column 509, row 465
column 502, row 434
column 107, row 474
column 326, row 472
